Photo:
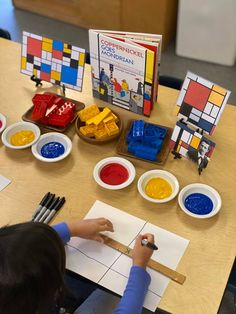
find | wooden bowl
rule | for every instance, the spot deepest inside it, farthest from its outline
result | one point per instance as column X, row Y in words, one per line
column 93, row 140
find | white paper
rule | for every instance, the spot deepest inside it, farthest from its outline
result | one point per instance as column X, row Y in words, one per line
column 4, row 182
column 110, row 268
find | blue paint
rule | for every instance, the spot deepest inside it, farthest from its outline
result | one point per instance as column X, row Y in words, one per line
column 52, row 150
column 198, row 203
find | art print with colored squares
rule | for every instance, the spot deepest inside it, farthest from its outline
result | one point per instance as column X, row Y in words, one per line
column 53, row 61
column 185, row 141
column 201, row 102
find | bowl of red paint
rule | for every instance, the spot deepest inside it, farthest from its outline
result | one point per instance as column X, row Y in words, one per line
column 3, row 122
column 199, row 200
column 114, row 173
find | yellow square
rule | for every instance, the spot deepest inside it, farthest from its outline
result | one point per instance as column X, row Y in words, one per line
column 219, row 89
column 195, row 142
column 48, row 40
column 23, row 63
column 47, row 47
column 216, row 98
column 176, row 110
column 56, row 75
column 35, row 72
column 67, row 50
column 81, row 59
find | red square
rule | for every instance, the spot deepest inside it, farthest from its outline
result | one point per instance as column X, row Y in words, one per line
column 197, row 95
column 34, row 47
column 171, row 144
column 45, row 76
column 147, row 107
column 57, row 54
column 184, row 145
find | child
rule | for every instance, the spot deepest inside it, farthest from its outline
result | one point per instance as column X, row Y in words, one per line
column 32, row 266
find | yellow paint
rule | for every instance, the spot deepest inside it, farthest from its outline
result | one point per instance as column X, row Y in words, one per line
column 158, row 188
column 81, row 59
column 55, row 75
column 195, row 142
column 216, row 98
column 219, row 89
column 22, row 138
column 23, row 63
column 47, row 46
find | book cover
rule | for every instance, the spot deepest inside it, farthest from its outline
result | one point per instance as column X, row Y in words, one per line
column 122, row 72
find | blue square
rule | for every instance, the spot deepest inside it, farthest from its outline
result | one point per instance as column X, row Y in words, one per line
column 205, row 125
column 69, row 75
column 58, row 45
column 45, row 68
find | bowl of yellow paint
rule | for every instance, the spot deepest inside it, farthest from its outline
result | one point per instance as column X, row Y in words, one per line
column 158, row 186
column 20, row 135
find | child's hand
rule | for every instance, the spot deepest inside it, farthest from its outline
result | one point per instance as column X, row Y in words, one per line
column 90, row 228
column 142, row 254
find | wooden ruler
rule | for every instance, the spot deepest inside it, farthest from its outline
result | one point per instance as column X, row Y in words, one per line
column 168, row 272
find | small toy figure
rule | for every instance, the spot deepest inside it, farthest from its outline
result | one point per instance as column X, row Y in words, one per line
column 37, row 81
column 124, row 85
column 117, row 87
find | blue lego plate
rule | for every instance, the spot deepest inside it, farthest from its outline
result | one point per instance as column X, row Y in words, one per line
column 152, row 146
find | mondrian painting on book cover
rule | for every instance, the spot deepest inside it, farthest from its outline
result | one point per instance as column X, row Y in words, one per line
column 122, row 73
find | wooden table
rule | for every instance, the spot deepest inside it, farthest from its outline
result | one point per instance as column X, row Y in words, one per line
column 211, row 252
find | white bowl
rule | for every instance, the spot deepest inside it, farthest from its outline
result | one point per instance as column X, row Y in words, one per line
column 17, row 127
column 117, row 160
column 203, row 189
column 4, row 122
column 169, row 177
column 52, row 137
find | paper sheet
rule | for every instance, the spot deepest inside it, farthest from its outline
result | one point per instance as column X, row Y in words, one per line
column 4, row 182
column 109, row 267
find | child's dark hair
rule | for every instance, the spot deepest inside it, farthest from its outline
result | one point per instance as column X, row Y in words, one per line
column 32, row 266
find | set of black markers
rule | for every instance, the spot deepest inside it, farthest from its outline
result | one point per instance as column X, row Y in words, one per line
column 48, row 208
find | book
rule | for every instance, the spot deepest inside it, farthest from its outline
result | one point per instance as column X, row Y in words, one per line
column 125, row 68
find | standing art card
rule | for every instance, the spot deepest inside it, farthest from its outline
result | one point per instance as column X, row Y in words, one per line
column 200, row 104
column 53, row 61
column 191, row 144
column 109, row 267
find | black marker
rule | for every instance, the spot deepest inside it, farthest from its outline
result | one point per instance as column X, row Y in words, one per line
column 49, row 208
column 45, row 207
column 41, row 204
column 150, row 245
column 55, row 210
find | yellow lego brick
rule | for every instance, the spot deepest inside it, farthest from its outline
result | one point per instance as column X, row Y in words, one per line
column 109, row 118
column 100, row 117
column 88, row 113
column 48, row 40
column 56, row 75
column 101, row 134
column 47, row 46
column 111, row 128
column 114, row 117
column 67, row 50
column 81, row 59
column 23, row 63
column 88, row 130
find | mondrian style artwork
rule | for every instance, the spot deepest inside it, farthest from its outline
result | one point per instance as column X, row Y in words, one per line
column 186, row 141
column 53, row 61
column 201, row 102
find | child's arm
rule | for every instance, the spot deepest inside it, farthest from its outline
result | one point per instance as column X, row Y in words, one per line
column 87, row 229
column 139, row 279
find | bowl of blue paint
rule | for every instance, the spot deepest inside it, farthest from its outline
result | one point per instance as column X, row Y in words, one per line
column 199, row 200
column 52, row 147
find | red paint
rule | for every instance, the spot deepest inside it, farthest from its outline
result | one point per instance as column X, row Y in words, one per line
column 114, row 174
column 0, row 124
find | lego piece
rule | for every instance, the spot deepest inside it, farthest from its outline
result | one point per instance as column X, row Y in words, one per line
column 88, row 130
column 98, row 118
column 109, row 118
column 111, row 128
column 40, row 108
column 138, row 128
column 88, row 113
column 101, row 134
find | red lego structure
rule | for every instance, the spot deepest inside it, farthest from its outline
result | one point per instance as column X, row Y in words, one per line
column 50, row 109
